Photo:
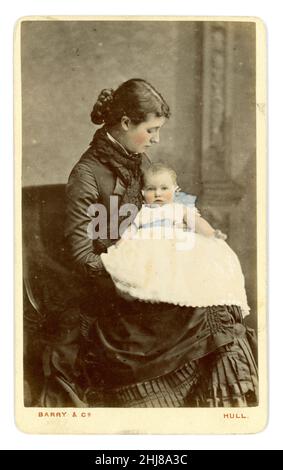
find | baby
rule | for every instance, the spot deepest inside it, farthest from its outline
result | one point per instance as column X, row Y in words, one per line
column 160, row 189
column 172, row 254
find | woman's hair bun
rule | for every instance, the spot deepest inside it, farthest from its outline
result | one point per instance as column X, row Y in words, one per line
column 135, row 98
column 102, row 106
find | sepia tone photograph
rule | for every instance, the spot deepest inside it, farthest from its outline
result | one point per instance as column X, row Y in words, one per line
column 140, row 169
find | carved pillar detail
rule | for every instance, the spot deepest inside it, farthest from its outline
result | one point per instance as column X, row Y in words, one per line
column 219, row 191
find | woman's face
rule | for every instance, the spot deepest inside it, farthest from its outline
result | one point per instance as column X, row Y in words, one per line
column 140, row 137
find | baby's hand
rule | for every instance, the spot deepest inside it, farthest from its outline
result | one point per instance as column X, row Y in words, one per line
column 219, row 234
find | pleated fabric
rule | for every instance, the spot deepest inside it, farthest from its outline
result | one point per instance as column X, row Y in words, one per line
column 225, row 378
column 165, row 391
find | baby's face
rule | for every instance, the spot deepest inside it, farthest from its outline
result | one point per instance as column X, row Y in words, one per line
column 159, row 188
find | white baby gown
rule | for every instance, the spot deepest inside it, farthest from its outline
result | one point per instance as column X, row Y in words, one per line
column 158, row 260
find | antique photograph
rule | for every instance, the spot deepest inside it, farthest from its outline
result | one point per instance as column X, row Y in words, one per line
column 141, row 209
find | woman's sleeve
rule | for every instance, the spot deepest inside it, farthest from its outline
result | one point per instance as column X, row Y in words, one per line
column 81, row 193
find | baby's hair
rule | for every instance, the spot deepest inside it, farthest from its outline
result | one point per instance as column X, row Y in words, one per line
column 159, row 167
column 135, row 99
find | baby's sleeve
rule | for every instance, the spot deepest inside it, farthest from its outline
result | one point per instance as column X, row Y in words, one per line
column 186, row 199
column 190, row 211
column 190, row 216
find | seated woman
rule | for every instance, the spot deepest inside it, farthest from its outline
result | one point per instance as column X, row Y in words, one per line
column 137, row 354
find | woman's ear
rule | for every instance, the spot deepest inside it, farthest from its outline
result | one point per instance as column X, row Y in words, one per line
column 125, row 123
column 143, row 192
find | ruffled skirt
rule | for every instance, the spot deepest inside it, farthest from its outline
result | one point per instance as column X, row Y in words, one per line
column 225, row 378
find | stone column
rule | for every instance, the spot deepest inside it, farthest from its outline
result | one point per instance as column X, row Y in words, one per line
column 219, row 192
